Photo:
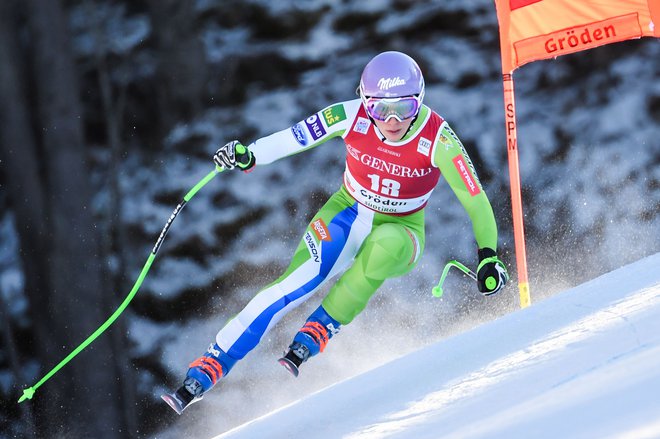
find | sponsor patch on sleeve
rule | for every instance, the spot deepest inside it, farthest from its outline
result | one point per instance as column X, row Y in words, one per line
column 334, row 114
column 445, row 141
column 321, row 230
column 298, row 132
column 464, row 170
column 315, row 127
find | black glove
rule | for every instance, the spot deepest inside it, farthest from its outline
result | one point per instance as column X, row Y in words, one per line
column 234, row 154
column 491, row 272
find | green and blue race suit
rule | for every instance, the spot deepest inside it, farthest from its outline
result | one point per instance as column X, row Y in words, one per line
column 372, row 228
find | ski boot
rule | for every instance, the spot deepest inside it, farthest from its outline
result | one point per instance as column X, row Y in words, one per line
column 310, row 340
column 202, row 375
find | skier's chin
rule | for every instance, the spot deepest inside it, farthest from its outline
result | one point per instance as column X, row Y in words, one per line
column 394, row 131
column 394, row 135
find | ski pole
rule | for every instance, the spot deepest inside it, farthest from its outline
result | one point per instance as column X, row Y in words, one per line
column 437, row 290
column 29, row 392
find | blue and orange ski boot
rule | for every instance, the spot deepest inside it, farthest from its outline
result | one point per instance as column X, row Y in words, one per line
column 311, row 339
column 202, row 375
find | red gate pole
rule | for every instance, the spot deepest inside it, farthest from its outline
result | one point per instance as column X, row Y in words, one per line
column 516, row 193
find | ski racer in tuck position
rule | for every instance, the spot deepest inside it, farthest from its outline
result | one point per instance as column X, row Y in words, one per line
column 371, row 229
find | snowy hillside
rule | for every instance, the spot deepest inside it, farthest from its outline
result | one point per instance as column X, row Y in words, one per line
column 582, row 364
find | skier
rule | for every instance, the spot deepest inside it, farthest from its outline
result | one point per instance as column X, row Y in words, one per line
column 372, row 227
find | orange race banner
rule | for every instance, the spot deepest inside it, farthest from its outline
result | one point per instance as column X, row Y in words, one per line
column 532, row 30
column 515, row 4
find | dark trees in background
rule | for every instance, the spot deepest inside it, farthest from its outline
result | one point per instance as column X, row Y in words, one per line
column 44, row 165
column 19, row 168
column 181, row 66
column 64, row 243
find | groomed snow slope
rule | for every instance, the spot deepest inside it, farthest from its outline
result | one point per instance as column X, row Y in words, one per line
column 584, row 363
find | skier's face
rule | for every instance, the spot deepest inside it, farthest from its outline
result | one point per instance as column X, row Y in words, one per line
column 393, row 130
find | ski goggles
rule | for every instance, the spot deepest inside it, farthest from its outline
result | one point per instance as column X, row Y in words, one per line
column 399, row 108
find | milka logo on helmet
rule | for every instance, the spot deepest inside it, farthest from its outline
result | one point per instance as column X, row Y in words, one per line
column 387, row 83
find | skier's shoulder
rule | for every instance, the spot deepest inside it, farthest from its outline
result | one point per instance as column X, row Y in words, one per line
column 427, row 123
column 434, row 118
column 336, row 119
column 440, row 124
column 331, row 121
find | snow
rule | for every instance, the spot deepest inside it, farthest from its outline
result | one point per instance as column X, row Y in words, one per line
column 580, row 364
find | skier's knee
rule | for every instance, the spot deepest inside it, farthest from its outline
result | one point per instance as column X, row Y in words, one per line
column 390, row 250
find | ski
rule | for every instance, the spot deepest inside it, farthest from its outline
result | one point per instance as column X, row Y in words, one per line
column 179, row 400
column 291, row 362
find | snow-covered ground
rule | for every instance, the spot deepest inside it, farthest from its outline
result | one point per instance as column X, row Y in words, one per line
column 581, row 364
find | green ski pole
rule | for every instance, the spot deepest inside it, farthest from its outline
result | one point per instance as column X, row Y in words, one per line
column 29, row 392
column 437, row 290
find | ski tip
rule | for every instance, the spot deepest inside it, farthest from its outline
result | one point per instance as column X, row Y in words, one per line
column 169, row 399
column 288, row 365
